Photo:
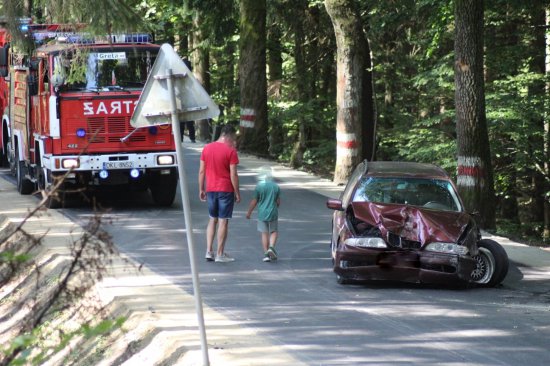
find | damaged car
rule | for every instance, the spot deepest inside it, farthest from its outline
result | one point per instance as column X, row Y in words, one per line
column 403, row 221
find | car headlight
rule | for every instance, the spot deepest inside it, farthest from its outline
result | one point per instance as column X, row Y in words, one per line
column 165, row 159
column 70, row 163
column 366, row 242
column 450, row 248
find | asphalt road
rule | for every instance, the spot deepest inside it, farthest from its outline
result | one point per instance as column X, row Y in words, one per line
column 296, row 303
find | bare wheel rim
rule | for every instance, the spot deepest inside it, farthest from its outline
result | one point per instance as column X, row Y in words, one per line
column 485, row 266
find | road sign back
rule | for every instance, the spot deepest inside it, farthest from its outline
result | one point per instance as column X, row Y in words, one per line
column 192, row 101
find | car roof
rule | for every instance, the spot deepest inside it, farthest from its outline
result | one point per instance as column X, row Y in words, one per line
column 404, row 169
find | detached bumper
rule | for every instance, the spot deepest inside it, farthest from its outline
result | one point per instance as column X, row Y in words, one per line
column 402, row 265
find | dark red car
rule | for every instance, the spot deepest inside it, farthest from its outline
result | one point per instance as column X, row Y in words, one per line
column 405, row 221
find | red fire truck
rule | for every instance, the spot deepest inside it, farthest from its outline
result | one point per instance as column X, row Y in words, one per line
column 66, row 109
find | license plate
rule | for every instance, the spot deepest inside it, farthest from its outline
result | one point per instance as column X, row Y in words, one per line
column 118, row 165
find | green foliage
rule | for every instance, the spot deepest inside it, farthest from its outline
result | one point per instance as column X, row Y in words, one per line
column 103, row 327
column 78, row 66
column 412, row 45
column 14, row 258
column 101, row 16
column 319, row 155
column 523, row 232
column 38, row 345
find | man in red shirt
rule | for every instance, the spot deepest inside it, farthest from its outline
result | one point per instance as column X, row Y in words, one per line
column 219, row 186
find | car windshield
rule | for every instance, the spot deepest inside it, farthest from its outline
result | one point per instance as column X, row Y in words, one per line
column 104, row 69
column 429, row 193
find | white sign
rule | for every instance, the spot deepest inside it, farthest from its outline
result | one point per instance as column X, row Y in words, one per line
column 192, row 101
column 111, row 56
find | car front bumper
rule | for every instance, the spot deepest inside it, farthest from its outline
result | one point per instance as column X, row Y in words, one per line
column 401, row 265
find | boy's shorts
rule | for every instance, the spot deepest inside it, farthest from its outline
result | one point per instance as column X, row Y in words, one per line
column 267, row 226
column 220, row 204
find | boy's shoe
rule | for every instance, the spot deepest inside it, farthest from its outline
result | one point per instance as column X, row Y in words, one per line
column 209, row 256
column 266, row 258
column 272, row 253
column 224, row 258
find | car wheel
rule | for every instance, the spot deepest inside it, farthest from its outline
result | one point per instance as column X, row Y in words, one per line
column 491, row 264
column 3, row 157
column 24, row 185
column 163, row 188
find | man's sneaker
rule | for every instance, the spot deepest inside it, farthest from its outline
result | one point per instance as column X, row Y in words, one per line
column 266, row 258
column 272, row 253
column 209, row 256
column 224, row 258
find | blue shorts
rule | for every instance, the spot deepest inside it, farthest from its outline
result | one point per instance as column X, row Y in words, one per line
column 220, row 204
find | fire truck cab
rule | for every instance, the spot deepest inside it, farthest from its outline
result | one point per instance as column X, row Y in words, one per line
column 66, row 109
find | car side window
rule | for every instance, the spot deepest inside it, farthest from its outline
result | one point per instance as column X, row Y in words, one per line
column 352, row 183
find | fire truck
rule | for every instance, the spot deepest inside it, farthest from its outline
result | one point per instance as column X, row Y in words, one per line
column 66, row 108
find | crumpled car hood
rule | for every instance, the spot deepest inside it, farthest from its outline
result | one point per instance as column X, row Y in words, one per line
column 413, row 223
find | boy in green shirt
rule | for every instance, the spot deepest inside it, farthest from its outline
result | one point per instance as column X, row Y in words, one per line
column 267, row 198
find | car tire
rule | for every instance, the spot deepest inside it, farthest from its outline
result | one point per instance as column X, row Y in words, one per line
column 3, row 158
column 24, row 185
column 491, row 264
column 163, row 188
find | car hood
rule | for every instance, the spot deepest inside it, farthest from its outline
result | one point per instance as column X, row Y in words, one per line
column 413, row 223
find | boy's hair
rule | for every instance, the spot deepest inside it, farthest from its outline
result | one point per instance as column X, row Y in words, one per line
column 228, row 130
column 265, row 173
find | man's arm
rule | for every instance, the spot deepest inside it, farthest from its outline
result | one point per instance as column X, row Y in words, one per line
column 235, row 182
column 202, row 172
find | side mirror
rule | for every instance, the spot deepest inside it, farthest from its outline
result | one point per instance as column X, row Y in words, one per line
column 4, row 60
column 335, row 204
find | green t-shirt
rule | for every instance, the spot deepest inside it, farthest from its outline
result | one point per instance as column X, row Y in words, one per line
column 266, row 194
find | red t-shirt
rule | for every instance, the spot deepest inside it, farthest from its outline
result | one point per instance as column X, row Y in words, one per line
column 217, row 157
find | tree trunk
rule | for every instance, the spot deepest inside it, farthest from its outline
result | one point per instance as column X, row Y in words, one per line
column 201, row 69
column 252, row 77
column 275, row 73
column 350, row 69
column 537, row 140
column 546, row 231
column 274, row 54
column 369, row 113
column 27, row 8
column 475, row 175
column 297, row 156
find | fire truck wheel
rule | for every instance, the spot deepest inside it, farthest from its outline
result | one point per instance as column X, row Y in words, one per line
column 11, row 159
column 53, row 202
column 24, row 185
column 55, row 199
column 3, row 158
column 163, row 188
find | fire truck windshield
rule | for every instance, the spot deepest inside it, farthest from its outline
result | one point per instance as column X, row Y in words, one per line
column 104, row 69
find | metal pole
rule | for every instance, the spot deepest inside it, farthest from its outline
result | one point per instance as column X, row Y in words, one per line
column 187, row 214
